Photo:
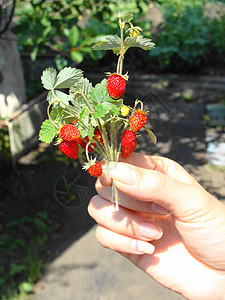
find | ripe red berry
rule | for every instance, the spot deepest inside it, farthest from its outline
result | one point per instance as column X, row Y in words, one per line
column 128, row 143
column 116, row 86
column 137, row 120
column 83, row 144
column 69, row 132
column 70, row 149
column 98, row 135
column 95, row 170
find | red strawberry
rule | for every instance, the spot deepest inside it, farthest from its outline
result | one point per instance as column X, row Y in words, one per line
column 98, row 135
column 137, row 120
column 83, row 144
column 69, row 132
column 70, row 149
column 116, row 86
column 128, row 143
column 95, row 170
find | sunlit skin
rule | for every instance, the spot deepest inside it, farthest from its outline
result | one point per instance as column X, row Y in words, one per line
column 183, row 244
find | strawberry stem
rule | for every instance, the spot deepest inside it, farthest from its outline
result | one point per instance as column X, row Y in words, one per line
column 115, row 197
column 119, row 69
column 105, row 139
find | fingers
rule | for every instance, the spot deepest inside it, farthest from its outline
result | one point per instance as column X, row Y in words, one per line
column 123, row 222
column 130, row 202
column 158, row 163
column 121, row 243
column 182, row 200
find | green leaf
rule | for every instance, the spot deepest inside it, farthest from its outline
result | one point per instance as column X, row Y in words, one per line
column 101, row 110
column 104, row 108
column 47, row 132
column 143, row 43
column 100, row 94
column 151, row 135
column 114, row 109
column 25, row 287
column 61, row 62
column 129, row 41
column 33, row 54
column 16, row 269
column 90, row 131
column 84, row 85
column 67, row 77
column 76, row 56
column 74, row 35
column 57, row 113
column 127, row 18
column 84, row 117
column 58, row 95
column 112, row 42
column 48, row 78
column 70, row 114
column 63, row 97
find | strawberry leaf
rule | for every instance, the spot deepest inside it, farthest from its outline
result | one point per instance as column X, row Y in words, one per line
column 140, row 42
column 151, row 135
column 84, row 117
column 90, row 131
column 84, row 85
column 69, row 114
column 62, row 98
column 129, row 41
column 100, row 94
column 112, row 42
column 47, row 132
column 127, row 18
column 67, row 77
column 57, row 113
column 48, row 78
column 104, row 108
column 101, row 110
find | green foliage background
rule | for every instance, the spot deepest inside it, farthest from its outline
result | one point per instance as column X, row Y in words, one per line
column 187, row 36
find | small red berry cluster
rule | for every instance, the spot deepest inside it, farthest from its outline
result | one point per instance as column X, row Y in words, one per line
column 70, row 135
column 116, row 86
column 128, row 138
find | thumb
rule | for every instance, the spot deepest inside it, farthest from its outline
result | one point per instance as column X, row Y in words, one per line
column 185, row 201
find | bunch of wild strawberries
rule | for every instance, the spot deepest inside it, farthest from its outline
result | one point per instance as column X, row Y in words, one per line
column 90, row 119
column 70, row 134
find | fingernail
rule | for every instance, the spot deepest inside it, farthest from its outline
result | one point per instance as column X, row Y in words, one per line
column 159, row 209
column 123, row 172
column 142, row 246
column 150, row 231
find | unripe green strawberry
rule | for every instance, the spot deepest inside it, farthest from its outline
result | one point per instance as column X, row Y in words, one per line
column 128, row 143
column 116, row 86
column 95, row 170
column 125, row 110
column 137, row 120
column 70, row 149
column 69, row 132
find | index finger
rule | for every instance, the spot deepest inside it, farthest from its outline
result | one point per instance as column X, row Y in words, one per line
column 161, row 164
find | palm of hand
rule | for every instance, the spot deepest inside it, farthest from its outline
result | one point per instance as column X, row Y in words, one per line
column 189, row 258
column 175, row 267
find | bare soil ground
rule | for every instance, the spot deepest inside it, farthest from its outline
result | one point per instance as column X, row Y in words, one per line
column 176, row 113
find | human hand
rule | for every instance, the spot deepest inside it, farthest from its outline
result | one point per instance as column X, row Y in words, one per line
column 189, row 257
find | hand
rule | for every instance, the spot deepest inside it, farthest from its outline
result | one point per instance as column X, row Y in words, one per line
column 161, row 203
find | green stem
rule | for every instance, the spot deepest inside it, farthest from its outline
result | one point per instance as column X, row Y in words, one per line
column 105, row 139
column 115, row 197
column 86, row 100
column 119, row 69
